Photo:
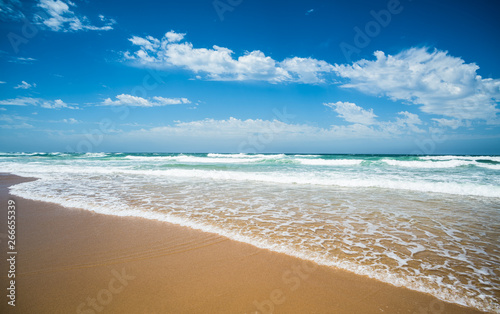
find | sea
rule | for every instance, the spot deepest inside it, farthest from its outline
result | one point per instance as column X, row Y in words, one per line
column 428, row 223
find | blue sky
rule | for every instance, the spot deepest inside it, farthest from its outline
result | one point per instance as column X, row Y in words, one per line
column 250, row 76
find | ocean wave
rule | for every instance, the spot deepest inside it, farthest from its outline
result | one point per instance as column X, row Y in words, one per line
column 492, row 167
column 307, row 156
column 451, row 157
column 95, row 155
column 247, row 156
column 282, row 177
column 428, row 164
column 194, row 159
column 343, row 181
column 329, row 162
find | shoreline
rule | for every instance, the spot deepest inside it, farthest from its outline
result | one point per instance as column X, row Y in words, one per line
column 73, row 260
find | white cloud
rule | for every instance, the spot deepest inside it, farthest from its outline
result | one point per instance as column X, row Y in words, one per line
column 441, row 84
column 242, row 130
column 364, row 120
column 14, row 122
column 174, row 37
column 231, row 128
column 409, row 121
column 7, row 118
column 25, row 85
column 3, row 109
column 56, row 104
column 70, row 121
column 450, row 123
column 59, row 16
column 28, row 101
column 218, row 63
column 25, row 59
column 23, row 125
column 21, row 101
column 257, row 135
column 22, row 60
column 11, row 10
column 2, row 82
column 134, row 101
column 238, row 131
column 148, row 44
column 350, row 112
column 306, row 70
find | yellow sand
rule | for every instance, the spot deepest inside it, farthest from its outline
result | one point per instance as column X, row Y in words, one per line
column 76, row 261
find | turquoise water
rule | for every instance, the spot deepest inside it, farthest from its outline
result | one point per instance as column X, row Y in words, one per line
column 430, row 223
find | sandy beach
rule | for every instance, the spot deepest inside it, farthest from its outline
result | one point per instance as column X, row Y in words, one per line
column 76, row 261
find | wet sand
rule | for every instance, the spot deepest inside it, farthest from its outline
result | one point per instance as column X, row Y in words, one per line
column 76, row 261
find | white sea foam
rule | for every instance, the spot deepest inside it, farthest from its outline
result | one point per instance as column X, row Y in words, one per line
column 444, row 163
column 306, row 156
column 247, row 156
column 210, row 159
column 78, row 193
column 95, row 155
column 241, row 155
column 451, row 157
column 428, row 164
column 336, row 180
column 304, row 177
column 243, row 158
column 329, row 162
column 483, row 165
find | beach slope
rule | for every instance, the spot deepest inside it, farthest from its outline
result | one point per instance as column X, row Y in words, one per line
column 76, row 261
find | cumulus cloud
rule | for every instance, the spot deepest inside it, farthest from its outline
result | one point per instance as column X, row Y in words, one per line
column 28, row 101
column 218, row 62
column 408, row 120
column 25, row 85
column 306, row 70
column 59, row 16
column 134, row 101
column 439, row 83
column 364, row 121
column 350, row 112
column 174, row 37
column 56, row 104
